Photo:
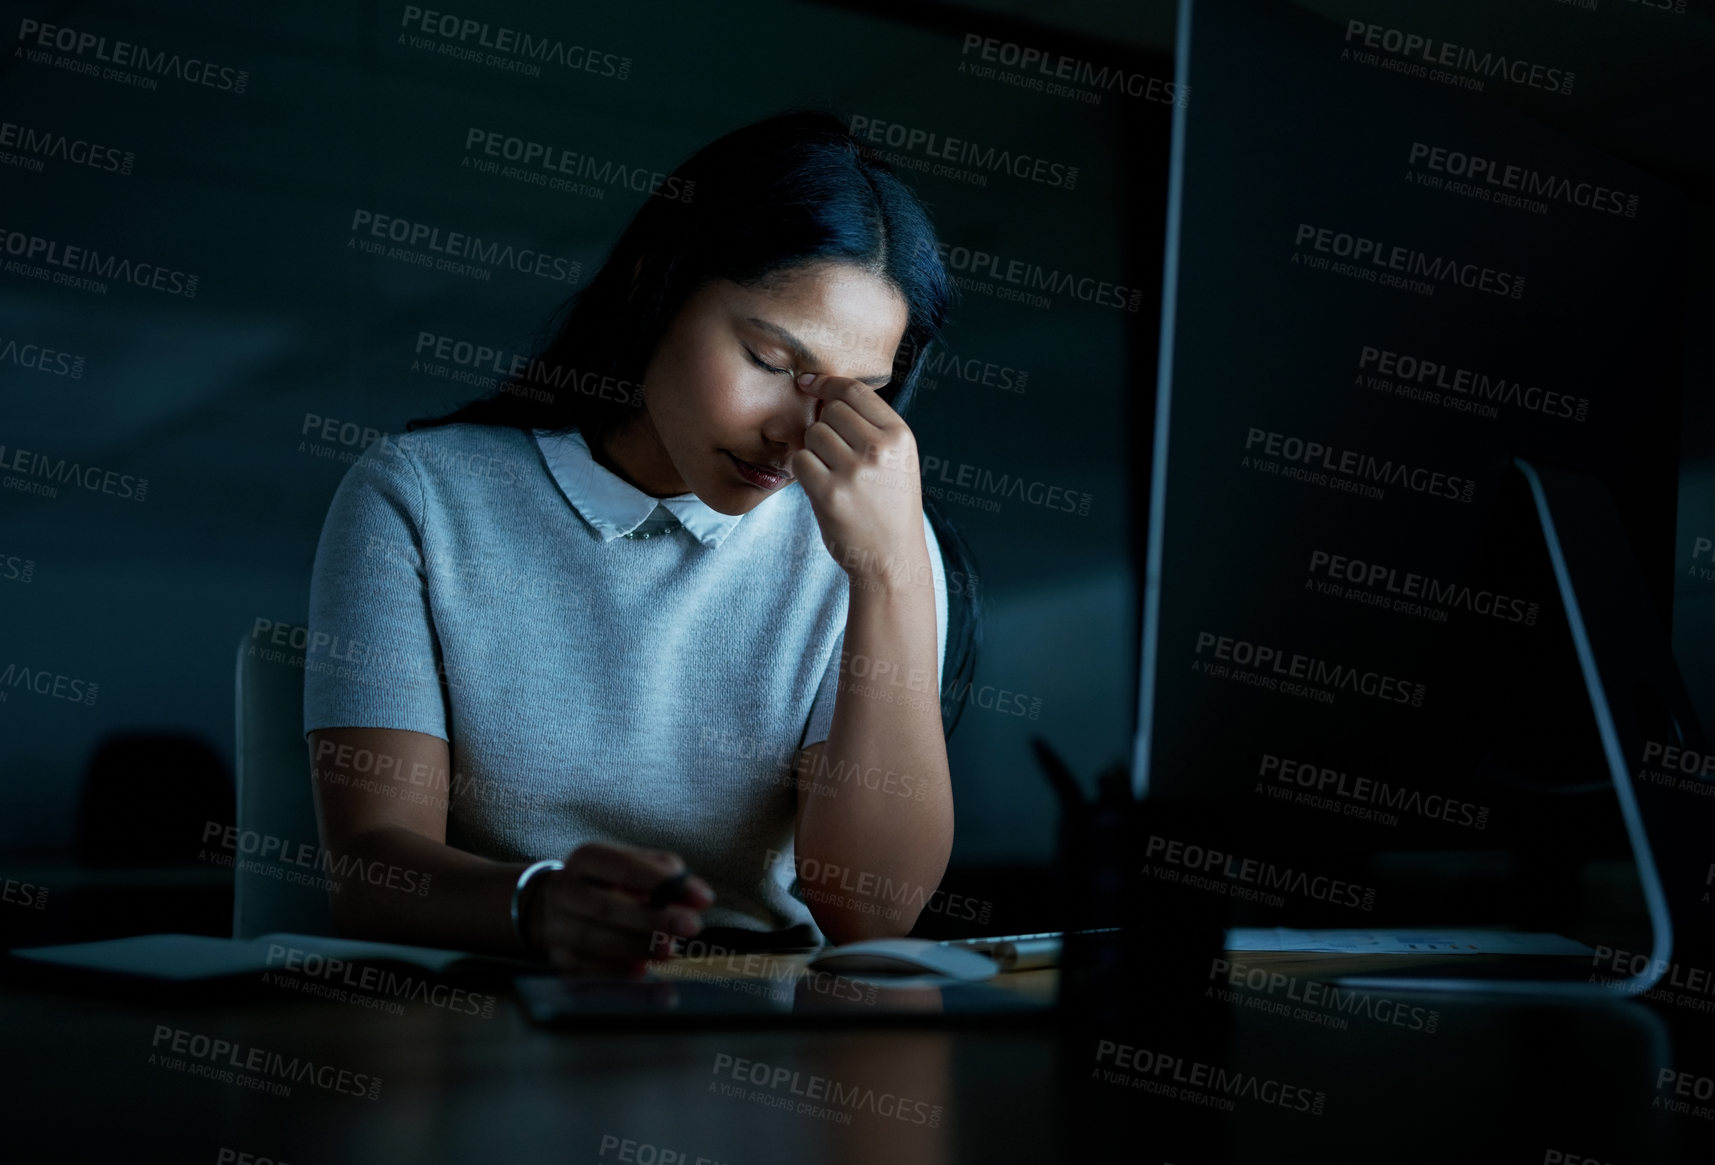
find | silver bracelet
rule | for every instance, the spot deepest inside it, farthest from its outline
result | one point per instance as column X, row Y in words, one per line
column 518, row 895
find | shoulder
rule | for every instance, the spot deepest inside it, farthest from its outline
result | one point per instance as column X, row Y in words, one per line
column 455, row 458
column 419, row 472
column 444, row 444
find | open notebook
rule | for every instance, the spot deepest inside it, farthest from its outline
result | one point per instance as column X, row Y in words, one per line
column 196, row 958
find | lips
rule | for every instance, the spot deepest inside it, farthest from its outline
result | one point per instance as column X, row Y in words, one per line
column 761, row 476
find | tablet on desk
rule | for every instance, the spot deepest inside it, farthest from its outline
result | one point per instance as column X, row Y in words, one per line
column 205, row 967
column 678, row 996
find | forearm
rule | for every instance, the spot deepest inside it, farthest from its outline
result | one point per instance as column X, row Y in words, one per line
column 396, row 885
column 880, row 812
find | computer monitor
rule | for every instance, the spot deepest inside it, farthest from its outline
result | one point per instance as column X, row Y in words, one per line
column 1389, row 292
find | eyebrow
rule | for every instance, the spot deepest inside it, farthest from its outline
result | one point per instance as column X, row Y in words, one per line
column 802, row 354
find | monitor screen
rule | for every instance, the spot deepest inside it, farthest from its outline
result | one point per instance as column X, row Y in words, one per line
column 1385, row 280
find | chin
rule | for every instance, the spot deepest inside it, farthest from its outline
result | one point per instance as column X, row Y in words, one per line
column 732, row 502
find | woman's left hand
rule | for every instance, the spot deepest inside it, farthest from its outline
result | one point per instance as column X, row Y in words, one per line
column 859, row 468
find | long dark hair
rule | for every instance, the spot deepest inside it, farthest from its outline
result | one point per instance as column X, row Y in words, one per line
column 783, row 193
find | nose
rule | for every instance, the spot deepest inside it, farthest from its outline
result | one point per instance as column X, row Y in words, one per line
column 785, row 424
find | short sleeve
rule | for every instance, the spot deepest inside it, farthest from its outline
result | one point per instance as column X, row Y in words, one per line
column 822, row 711
column 373, row 660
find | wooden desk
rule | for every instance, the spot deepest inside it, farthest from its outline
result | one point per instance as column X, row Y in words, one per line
column 1039, row 985
column 1495, row 1081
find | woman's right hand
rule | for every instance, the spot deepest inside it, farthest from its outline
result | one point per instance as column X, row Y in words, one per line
column 594, row 915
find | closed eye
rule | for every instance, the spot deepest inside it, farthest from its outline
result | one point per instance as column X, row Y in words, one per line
column 761, row 363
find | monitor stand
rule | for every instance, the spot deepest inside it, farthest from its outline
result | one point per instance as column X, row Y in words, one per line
column 1637, row 699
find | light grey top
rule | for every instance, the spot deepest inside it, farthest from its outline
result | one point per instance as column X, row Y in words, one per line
column 474, row 583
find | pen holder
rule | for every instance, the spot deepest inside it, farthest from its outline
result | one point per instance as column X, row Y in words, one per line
column 1137, row 1007
column 1144, row 936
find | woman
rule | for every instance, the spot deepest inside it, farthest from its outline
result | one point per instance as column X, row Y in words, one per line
column 668, row 605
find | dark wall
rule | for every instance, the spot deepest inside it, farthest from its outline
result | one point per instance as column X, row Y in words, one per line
column 240, row 401
column 133, row 599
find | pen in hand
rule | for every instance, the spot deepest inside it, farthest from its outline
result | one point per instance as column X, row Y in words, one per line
column 669, row 890
column 614, row 908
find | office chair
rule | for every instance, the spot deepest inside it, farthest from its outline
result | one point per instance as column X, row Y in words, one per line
column 278, row 873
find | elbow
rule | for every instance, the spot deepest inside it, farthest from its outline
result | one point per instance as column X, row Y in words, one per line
column 350, row 904
column 347, row 922
column 846, row 925
column 348, row 908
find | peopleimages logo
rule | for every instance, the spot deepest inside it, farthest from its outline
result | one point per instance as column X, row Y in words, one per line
column 36, row 145
column 1052, row 69
column 1513, row 185
column 236, row 1056
column 121, row 55
column 825, row 773
column 41, row 359
column 1702, row 547
column 1396, row 265
column 451, row 36
column 964, row 476
column 1615, row 966
column 468, row 362
column 1364, row 471
column 281, row 850
column 320, row 969
column 629, row 1151
column 848, row 1098
column 456, row 245
column 1209, row 864
column 1684, row 1084
column 15, row 568
column 554, row 166
column 964, row 153
column 26, row 894
column 748, row 972
column 1260, row 983
column 345, row 440
column 1675, row 767
column 91, row 477
column 46, row 683
column 1416, row 378
column 341, row 764
column 1676, row 7
column 1410, row 593
column 481, row 359
column 1002, row 377
column 1179, row 1078
column 814, row 876
column 1438, row 55
column 1318, row 783
column 27, row 249
column 1685, row 760
column 1272, row 663
column 351, row 659
column 1022, row 280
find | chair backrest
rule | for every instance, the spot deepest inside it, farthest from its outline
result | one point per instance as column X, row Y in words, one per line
column 279, row 878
